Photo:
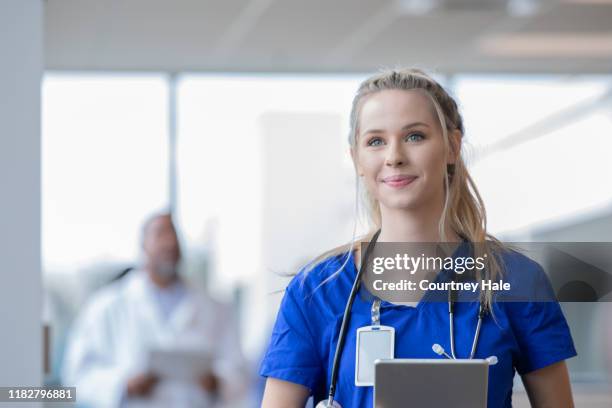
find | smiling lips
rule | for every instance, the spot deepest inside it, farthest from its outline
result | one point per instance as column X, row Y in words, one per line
column 398, row 181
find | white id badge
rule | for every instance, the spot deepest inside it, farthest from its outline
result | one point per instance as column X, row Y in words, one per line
column 373, row 343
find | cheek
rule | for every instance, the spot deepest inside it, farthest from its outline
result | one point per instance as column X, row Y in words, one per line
column 369, row 168
column 369, row 165
column 432, row 161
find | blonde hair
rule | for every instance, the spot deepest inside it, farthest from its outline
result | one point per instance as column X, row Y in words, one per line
column 463, row 210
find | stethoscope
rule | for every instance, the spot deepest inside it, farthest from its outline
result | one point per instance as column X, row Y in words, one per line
column 438, row 349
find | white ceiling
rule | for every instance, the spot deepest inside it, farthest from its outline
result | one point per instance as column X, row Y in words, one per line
column 562, row 36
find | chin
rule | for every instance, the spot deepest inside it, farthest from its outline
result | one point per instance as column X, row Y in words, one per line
column 400, row 204
column 407, row 200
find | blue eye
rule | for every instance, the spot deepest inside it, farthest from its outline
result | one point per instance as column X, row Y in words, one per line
column 375, row 141
column 415, row 137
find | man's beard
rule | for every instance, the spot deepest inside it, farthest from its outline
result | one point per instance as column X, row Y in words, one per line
column 165, row 270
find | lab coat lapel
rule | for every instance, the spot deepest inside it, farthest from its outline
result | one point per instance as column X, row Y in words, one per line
column 180, row 319
column 192, row 321
column 150, row 320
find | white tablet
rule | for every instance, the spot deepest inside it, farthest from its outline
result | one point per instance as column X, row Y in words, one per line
column 179, row 364
column 433, row 383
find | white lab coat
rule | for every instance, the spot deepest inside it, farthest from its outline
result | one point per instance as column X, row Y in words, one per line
column 111, row 340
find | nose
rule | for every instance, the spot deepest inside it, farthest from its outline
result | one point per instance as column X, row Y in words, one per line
column 395, row 155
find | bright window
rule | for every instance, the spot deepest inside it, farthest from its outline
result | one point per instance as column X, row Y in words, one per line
column 556, row 134
column 104, row 165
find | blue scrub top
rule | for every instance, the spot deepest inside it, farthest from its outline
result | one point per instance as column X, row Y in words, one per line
column 525, row 336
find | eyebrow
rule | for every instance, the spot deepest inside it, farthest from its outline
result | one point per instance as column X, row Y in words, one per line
column 408, row 126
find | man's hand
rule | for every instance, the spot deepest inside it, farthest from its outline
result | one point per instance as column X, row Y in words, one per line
column 209, row 382
column 141, row 385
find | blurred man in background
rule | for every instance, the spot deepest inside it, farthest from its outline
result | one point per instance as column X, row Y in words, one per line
column 110, row 350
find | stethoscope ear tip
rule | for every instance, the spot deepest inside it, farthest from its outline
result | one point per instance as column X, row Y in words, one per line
column 437, row 349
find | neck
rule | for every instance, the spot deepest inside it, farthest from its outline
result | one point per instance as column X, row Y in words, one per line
column 408, row 225
column 161, row 283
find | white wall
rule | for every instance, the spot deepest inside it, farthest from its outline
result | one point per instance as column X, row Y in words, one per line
column 21, row 67
column 308, row 203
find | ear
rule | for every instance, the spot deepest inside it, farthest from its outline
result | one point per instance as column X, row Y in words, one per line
column 355, row 161
column 454, row 138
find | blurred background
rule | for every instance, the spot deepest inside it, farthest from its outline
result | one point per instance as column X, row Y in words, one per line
column 234, row 115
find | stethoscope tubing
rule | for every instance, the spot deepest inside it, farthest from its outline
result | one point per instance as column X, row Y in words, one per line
column 346, row 319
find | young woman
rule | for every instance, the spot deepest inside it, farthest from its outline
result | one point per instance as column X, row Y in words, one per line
column 405, row 140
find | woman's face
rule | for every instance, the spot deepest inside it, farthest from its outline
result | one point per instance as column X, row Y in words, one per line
column 400, row 150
